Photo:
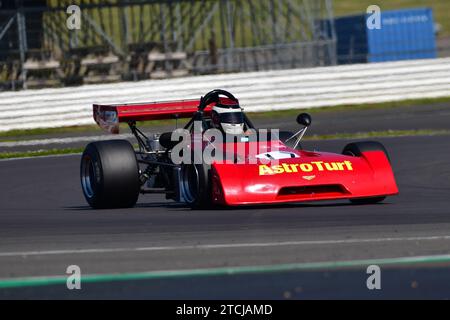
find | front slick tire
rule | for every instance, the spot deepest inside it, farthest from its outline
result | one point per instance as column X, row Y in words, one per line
column 109, row 174
column 356, row 149
column 196, row 186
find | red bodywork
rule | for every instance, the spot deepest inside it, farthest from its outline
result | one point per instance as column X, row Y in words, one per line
column 310, row 176
column 108, row 117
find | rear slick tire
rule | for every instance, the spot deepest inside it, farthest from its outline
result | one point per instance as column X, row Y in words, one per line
column 109, row 174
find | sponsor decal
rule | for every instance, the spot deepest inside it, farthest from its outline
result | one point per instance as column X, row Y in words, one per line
column 308, row 167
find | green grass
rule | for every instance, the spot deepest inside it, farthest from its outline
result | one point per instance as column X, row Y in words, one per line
column 22, row 134
column 441, row 8
column 45, row 131
column 39, row 153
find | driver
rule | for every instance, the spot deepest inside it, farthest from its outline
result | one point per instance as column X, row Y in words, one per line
column 228, row 118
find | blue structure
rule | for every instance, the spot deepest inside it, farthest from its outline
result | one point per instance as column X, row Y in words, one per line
column 404, row 34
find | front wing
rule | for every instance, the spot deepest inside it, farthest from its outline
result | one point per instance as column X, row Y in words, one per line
column 320, row 176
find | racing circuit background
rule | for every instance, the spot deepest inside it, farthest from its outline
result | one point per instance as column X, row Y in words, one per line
column 358, row 81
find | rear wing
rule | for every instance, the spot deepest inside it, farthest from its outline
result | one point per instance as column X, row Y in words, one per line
column 108, row 117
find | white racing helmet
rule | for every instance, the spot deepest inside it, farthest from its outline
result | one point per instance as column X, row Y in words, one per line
column 228, row 118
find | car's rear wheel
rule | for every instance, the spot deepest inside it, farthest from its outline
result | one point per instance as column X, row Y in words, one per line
column 109, row 174
column 355, row 150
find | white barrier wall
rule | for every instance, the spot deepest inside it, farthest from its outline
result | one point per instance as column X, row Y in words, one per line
column 257, row 91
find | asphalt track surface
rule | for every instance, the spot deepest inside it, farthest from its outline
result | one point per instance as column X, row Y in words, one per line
column 46, row 226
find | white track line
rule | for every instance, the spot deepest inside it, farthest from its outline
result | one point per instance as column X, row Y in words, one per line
column 221, row 246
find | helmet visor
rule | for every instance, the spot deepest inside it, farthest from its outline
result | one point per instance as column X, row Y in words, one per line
column 232, row 117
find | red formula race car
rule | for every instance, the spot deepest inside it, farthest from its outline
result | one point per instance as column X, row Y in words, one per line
column 219, row 158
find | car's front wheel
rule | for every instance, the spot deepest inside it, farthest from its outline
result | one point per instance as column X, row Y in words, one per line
column 355, row 150
column 109, row 174
column 196, row 185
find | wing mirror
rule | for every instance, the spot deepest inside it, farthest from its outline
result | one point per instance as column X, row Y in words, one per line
column 304, row 119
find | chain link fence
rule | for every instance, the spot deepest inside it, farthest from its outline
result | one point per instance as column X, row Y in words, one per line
column 134, row 40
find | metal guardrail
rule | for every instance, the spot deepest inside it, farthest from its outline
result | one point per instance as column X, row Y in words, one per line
column 257, row 91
